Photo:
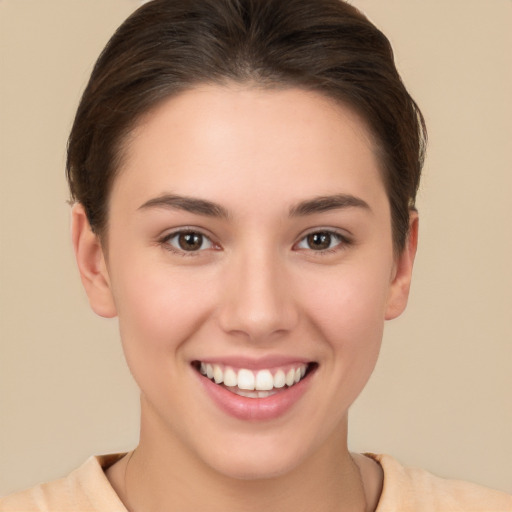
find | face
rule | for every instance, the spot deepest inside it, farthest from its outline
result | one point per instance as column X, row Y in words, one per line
column 250, row 240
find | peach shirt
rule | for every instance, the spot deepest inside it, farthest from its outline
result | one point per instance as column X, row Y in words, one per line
column 405, row 489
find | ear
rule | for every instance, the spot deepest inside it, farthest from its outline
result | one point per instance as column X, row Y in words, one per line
column 91, row 264
column 401, row 280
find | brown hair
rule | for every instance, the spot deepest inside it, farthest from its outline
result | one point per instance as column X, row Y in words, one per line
column 167, row 46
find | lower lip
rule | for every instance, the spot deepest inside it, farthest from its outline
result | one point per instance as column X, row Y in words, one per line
column 255, row 409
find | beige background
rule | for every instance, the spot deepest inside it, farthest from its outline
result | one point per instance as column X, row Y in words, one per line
column 440, row 397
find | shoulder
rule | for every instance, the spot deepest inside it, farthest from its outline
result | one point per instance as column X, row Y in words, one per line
column 412, row 489
column 84, row 489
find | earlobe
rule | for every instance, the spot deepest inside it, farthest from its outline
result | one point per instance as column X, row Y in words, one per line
column 400, row 286
column 91, row 264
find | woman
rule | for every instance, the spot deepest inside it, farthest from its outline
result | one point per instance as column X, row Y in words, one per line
column 245, row 175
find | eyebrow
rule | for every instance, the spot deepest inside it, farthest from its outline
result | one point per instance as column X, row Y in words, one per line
column 326, row 203
column 210, row 209
column 189, row 204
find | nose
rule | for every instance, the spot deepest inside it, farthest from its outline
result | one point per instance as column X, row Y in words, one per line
column 258, row 302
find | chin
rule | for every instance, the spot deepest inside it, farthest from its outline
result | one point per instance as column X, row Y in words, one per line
column 256, row 467
column 258, row 457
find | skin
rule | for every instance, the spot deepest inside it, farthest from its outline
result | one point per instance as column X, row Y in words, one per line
column 257, row 289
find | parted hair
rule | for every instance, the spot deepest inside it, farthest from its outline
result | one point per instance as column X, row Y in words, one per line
column 168, row 46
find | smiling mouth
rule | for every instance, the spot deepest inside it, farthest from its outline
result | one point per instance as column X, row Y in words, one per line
column 255, row 384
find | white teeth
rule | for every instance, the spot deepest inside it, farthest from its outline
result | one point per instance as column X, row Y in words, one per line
column 290, row 377
column 247, row 394
column 251, row 394
column 230, row 378
column 264, row 380
column 255, row 384
column 280, row 379
column 245, row 379
column 218, row 374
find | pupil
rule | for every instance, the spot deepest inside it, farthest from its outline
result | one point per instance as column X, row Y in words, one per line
column 319, row 241
column 190, row 241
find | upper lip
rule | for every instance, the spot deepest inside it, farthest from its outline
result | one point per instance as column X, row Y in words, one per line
column 266, row 362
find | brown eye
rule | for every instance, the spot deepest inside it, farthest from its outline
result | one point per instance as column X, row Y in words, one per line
column 322, row 241
column 189, row 241
column 319, row 241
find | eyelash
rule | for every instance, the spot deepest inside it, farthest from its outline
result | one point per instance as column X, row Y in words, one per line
column 166, row 242
column 342, row 241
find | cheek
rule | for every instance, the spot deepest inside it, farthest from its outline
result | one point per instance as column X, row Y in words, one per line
column 159, row 309
column 350, row 302
column 348, row 316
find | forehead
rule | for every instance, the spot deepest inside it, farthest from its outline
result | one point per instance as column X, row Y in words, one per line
column 296, row 141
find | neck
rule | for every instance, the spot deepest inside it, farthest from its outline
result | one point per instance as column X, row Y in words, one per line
column 162, row 474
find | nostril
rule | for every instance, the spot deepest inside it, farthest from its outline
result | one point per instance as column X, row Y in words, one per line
column 258, row 304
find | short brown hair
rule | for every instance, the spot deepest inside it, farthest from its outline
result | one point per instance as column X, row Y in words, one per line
column 167, row 46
